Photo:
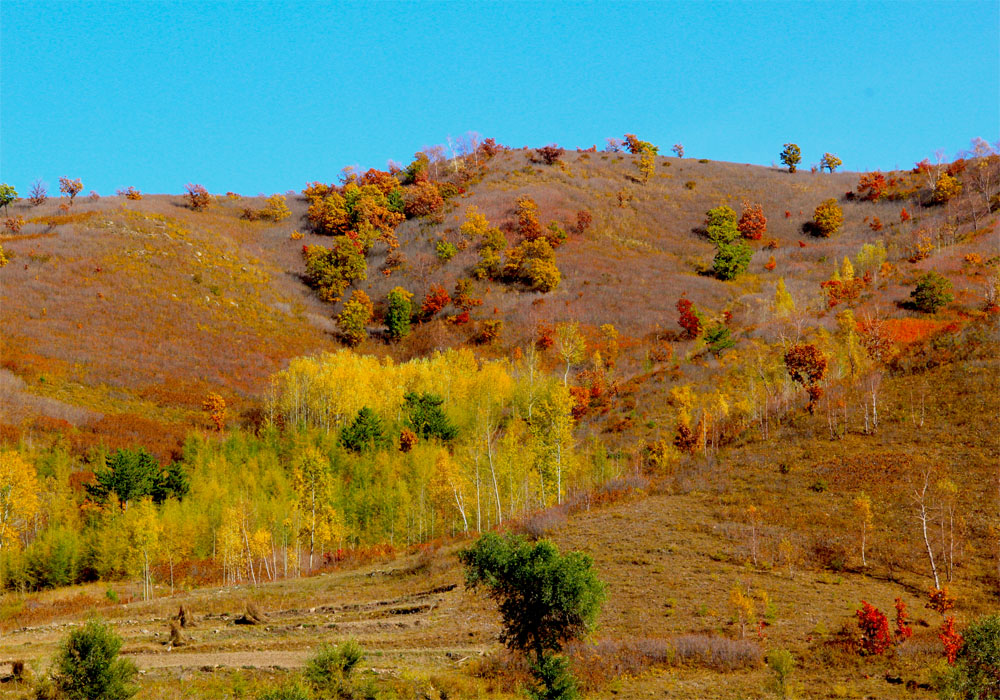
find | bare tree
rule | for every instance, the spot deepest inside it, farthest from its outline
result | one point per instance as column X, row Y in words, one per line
column 920, row 499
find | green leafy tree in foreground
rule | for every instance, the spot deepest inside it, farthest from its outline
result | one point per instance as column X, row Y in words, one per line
column 976, row 673
column 545, row 598
column 791, row 156
column 87, row 667
column 932, row 292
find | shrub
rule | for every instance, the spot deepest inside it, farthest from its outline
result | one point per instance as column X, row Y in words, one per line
column 721, row 226
column 87, row 667
column 690, row 320
column 422, row 199
column 13, row 224
column 331, row 270
column 874, row 628
column 932, row 292
column 946, row 188
column 871, row 186
column 782, row 663
column 489, row 332
column 288, row 691
column 275, row 209
column 354, row 318
column 976, row 673
column 583, row 221
column 752, row 224
column 198, row 197
column 130, row 193
column 445, row 250
column 38, row 194
column 828, row 218
column 435, row 300
column 548, row 154
column 331, row 665
column 399, row 312
column 731, row 260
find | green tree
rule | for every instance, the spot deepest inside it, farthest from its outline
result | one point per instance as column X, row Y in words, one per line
column 932, row 292
column 731, row 260
column 365, row 433
column 545, row 599
column 397, row 316
column 87, row 667
column 426, row 418
column 721, row 225
column 8, row 195
column 828, row 218
column 976, row 673
column 791, row 156
column 128, row 474
column 354, row 318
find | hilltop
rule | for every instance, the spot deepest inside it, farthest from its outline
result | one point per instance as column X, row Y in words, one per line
column 732, row 505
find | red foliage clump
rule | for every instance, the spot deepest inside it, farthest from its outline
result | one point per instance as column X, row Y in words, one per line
column 583, row 221
column 546, row 336
column 940, row 601
column 875, row 225
column 407, row 440
column 806, row 365
column 752, row 224
column 874, row 627
column 437, row 298
column 847, row 291
column 910, row 330
column 951, row 639
column 903, row 630
column 904, row 216
column 770, row 264
column 872, row 186
column 688, row 319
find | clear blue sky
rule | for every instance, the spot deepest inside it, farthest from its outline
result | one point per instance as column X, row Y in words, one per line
column 265, row 96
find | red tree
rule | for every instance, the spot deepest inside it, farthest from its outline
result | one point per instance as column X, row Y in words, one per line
column 874, row 626
column 806, row 365
column 752, row 224
column 951, row 639
column 871, row 186
column 198, row 197
column 903, row 630
column 437, row 298
column 689, row 319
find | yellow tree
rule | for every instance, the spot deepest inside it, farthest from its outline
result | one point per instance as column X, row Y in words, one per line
column 863, row 509
column 552, row 428
column 448, row 486
column 570, row 345
column 142, row 532
column 313, row 486
column 177, row 535
column 18, row 497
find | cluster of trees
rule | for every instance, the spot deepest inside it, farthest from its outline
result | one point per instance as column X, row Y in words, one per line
column 791, row 156
column 531, row 262
column 732, row 253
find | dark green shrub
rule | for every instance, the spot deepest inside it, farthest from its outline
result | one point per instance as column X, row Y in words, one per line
column 976, row 673
column 332, row 665
column 87, row 667
column 932, row 292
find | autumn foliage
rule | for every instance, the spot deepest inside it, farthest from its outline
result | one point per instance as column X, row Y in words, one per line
column 689, row 319
column 198, row 197
column 752, row 224
column 806, row 365
column 874, row 628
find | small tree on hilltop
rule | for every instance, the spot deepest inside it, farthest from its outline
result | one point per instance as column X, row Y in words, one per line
column 678, row 149
column 198, row 197
column 791, row 156
column 830, row 162
column 828, row 218
column 354, row 318
column 8, row 195
column 549, row 154
column 87, row 666
column 39, row 193
column 806, row 365
column 546, row 599
column 932, row 292
column 70, row 188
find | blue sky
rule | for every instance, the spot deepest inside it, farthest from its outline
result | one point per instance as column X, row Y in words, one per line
column 265, row 96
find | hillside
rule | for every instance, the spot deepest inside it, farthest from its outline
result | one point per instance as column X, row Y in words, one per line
column 731, row 506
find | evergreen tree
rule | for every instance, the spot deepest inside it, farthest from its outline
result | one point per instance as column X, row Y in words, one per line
column 128, row 474
column 365, row 433
column 426, row 418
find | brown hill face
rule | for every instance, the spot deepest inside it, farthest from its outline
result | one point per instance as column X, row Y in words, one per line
column 143, row 307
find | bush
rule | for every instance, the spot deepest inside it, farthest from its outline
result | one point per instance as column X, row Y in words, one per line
column 445, row 251
column 976, row 673
column 932, row 292
column 397, row 317
column 782, row 663
column 827, row 218
column 275, row 209
column 87, row 667
column 332, row 665
column 289, row 691
column 731, row 260
column 198, row 197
